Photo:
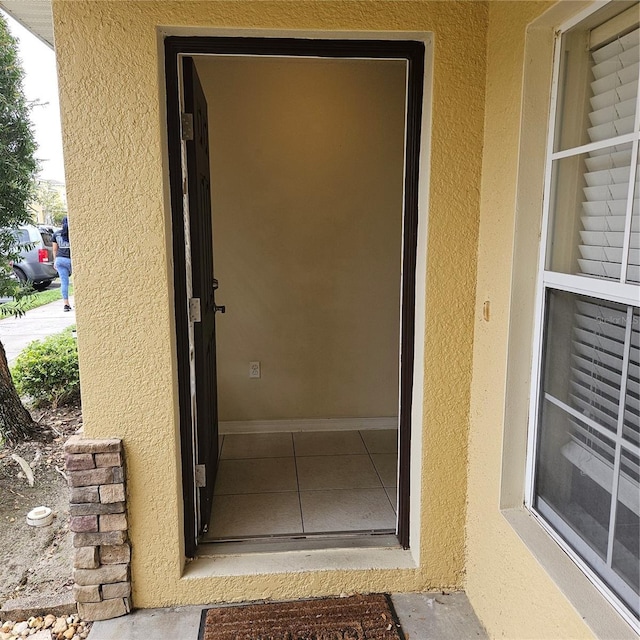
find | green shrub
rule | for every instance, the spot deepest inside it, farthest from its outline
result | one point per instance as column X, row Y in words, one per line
column 47, row 371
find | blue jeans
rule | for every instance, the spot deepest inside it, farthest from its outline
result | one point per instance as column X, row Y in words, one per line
column 63, row 267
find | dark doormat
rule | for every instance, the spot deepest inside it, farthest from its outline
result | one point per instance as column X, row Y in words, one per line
column 358, row 617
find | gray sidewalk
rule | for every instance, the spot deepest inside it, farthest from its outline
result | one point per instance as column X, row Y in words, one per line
column 17, row 333
column 423, row 616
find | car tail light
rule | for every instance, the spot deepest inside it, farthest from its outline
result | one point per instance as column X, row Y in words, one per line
column 43, row 255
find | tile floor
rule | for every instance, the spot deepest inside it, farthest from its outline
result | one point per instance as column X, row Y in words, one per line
column 284, row 484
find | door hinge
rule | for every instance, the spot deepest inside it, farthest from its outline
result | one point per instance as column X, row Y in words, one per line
column 187, row 126
column 201, row 476
column 194, row 310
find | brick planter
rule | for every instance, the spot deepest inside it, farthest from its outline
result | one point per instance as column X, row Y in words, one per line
column 95, row 469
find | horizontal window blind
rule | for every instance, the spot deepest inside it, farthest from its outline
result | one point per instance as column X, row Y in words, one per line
column 587, row 445
column 598, row 359
column 615, row 70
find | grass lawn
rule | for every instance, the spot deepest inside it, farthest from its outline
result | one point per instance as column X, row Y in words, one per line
column 37, row 299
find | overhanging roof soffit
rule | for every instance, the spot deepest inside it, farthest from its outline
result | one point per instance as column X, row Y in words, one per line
column 34, row 15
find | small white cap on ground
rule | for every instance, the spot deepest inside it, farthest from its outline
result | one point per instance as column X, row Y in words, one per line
column 40, row 517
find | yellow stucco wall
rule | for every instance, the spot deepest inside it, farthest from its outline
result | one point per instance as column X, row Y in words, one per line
column 111, row 88
column 510, row 591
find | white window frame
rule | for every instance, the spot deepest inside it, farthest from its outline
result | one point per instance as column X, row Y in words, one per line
column 606, row 290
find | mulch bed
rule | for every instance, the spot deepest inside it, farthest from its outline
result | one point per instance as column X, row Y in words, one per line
column 358, row 617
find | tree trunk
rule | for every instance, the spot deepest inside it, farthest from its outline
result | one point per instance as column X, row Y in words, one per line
column 16, row 424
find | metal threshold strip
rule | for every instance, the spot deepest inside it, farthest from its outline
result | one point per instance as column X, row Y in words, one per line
column 299, row 542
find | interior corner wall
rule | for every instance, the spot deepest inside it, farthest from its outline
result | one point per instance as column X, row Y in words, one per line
column 307, row 170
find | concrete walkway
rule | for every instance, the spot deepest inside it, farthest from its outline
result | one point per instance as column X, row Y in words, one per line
column 37, row 324
column 423, row 616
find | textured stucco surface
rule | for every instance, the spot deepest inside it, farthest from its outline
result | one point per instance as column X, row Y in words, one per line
column 111, row 93
column 513, row 596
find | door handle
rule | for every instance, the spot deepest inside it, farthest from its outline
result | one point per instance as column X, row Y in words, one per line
column 219, row 309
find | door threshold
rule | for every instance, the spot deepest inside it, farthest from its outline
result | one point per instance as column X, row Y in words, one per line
column 299, row 542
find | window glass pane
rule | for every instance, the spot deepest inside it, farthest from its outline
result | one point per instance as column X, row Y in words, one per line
column 587, row 439
column 584, row 355
column 589, row 201
column 599, row 88
column 22, row 236
column 590, row 356
column 633, row 272
column 626, row 543
column 575, row 480
column 631, row 427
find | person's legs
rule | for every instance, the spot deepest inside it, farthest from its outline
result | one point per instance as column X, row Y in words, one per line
column 63, row 267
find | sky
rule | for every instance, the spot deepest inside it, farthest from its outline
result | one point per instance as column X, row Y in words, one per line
column 41, row 84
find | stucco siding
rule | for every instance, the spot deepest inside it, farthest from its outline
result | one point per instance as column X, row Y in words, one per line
column 512, row 594
column 111, row 86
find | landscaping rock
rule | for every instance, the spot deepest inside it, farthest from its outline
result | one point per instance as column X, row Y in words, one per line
column 62, row 628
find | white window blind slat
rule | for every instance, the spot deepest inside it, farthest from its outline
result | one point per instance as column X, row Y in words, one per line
column 608, row 223
column 623, row 109
column 609, row 321
column 619, row 60
column 628, row 41
column 586, row 352
column 605, row 208
column 612, row 129
column 606, row 192
column 617, row 94
column 608, row 159
column 598, row 379
column 589, row 338
column 619, row 78
column 607, row 176
column 611, row 151
column 608, row 239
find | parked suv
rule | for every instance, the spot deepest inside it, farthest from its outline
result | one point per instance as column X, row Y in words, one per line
column 36, row 263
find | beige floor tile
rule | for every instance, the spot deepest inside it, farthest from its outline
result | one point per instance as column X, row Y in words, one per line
column 346, row 510
column 336, row 472
column 386, row 465
column 392, row 494
column 265, row 475
column 255, row 514
column 328, row 443
column 257, row 445
column 380, row 440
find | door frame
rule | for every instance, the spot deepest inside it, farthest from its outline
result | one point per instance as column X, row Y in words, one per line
column 414, row 53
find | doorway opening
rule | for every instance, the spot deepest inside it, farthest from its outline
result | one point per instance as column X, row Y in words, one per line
column 300, row 167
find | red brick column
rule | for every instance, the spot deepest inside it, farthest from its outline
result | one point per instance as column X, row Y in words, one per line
column 95, row 469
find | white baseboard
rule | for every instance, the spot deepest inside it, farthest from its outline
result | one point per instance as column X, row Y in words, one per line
column 311, row 424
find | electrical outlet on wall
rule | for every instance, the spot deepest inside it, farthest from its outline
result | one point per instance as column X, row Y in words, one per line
column 254, row 369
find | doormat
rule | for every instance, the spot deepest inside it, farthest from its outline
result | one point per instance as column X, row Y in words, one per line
column 358, row 617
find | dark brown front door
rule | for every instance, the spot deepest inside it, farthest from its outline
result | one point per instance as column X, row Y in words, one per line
column 204, row 286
